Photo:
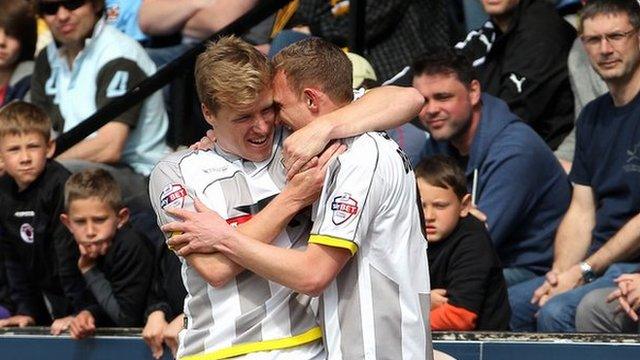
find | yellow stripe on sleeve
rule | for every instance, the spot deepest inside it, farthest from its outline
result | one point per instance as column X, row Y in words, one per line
column 334, row 242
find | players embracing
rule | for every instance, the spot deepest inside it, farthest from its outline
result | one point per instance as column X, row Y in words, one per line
column 366, row 258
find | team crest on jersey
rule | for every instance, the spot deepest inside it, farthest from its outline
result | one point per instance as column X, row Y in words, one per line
column 343, row 207
column 26, row 233
column 173, row 196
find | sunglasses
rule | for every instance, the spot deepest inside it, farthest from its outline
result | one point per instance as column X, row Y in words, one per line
column 52, row 7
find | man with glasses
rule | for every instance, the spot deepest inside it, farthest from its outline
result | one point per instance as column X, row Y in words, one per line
column 87, row 65
column 599, row 237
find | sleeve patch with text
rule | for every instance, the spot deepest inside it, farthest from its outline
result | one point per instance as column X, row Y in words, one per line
column 173, row 195
column 343, row 208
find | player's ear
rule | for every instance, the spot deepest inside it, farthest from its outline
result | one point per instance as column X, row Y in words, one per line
column 208, row 115
column 311, row 98
column 465, row 205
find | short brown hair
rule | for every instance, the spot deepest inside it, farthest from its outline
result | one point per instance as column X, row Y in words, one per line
column 316, row 62
column 231, row 73
column 93, row 183
column 443, row 172
column 445, row 60
column 600, row 7
column 19, row 117
column 18, row 20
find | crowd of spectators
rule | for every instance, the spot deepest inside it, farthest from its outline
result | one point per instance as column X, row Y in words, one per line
column 526, row 149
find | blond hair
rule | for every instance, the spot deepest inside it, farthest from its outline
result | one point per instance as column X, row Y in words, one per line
column 231, row 73
column 19, row 117
column 90, row 183
column 314, row 62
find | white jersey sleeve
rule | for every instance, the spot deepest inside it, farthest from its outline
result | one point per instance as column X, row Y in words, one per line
column 167, row 188
column 347, row 203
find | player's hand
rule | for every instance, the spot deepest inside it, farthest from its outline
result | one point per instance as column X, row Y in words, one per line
column 304, row 144
column 83, row 325
column 438, row 298
column 171, row 332
column 305, row 187
column 17, row 320
column 205, row 143
column 153, row 332
column 61, row 325
column 196, row 232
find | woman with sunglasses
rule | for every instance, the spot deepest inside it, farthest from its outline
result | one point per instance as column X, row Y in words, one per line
column 18, row 36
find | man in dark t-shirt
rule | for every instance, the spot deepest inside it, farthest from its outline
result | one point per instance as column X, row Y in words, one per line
column 599, row 233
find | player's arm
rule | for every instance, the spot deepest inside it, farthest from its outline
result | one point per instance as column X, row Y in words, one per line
column 216, row 268
column 381, row 108
column 195, row 233
column 114, row 79
column 330, row 246
column 308, row 272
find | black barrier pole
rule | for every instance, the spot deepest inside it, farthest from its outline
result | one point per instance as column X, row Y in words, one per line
column 161, row 78
column 357, row 26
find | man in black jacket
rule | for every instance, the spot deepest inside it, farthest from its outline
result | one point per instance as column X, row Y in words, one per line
column 521, row 54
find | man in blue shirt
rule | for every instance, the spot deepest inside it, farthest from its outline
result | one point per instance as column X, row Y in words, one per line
column 599, row 232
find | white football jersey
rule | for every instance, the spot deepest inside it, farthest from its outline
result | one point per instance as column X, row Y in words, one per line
column 378, row 305
column 250, row 316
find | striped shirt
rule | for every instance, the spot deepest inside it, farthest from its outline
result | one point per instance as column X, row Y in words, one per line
column 250, row 315
column 378, row 305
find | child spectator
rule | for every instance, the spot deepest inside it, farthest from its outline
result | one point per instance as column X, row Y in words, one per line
column 116, row 261
column 164, row 303
column 39, row 253
column 468, row 290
